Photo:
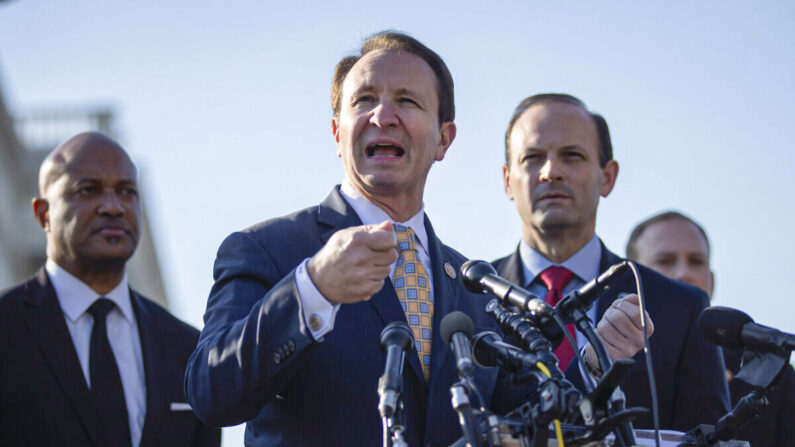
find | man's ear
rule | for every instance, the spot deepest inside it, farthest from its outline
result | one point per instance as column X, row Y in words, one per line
column 446, row 136
column 711, row 284
column 335, row 130
column 609, row 175
column 506, row 178
column 41, row 212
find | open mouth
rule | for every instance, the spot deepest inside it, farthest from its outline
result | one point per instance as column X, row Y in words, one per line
column 385, row 150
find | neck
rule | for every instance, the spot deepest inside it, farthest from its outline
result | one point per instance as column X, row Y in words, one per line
column 101, row 277
column 557, row 245
column 400, row 207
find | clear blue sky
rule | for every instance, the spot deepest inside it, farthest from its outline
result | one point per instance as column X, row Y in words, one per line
column 225, row 108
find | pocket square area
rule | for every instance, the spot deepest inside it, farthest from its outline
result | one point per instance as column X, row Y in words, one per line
column 180, row 406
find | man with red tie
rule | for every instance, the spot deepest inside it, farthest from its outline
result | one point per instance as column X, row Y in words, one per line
column 559, row 162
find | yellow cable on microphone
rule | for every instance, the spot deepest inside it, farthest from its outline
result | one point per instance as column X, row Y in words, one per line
column 558, row 430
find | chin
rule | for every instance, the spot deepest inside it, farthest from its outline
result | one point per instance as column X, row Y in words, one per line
column 111, row 254
column 556, row 221
column 382, row 184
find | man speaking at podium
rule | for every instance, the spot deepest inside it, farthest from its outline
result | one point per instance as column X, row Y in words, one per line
column 558, row 163
column 291, row 337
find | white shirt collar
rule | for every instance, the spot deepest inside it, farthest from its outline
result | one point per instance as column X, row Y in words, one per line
column 75, row 296
column 584, row 263
column 371, row 214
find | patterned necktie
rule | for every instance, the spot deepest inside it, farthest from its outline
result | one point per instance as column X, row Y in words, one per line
column 106, row 388
column 556, row 278
column 412, row 286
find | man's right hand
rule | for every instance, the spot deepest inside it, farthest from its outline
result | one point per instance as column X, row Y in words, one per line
column 353, row 264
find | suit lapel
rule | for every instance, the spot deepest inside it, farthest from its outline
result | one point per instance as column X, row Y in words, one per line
column 152, row 343
column 335, row 214
column 445, row 298
column 512, row 269
column 45, row 320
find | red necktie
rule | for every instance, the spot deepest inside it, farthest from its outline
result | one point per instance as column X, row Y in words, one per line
column 556, row 278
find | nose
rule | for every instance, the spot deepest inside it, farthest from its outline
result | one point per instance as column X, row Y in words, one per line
column 110, row 205
column 682, row 273
column 551, row 170
column 384, row 115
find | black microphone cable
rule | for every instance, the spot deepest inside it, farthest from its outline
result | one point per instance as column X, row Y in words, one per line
column 647, row 351
column 573, row 343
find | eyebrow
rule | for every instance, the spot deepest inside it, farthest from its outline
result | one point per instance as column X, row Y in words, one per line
column 96, row 180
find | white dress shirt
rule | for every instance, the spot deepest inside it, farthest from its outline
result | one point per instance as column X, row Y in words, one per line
column 75, row 297
column 319, row 313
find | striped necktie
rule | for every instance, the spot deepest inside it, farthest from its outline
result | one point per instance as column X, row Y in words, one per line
column 412, row 286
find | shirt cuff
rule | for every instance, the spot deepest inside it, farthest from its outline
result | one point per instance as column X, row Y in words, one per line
column 319, row 313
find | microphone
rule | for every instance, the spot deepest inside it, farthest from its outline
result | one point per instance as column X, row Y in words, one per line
column 732, row 328
column 489, row 350
column 480, row 277
column 536, row 336
column 585, row 296
column 396, row 339
column 456, row 329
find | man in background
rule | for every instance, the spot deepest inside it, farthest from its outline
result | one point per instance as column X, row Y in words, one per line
column 558, row 163
column 85, row 359
column 678, row 247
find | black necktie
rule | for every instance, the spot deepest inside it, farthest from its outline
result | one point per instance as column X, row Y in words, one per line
column 106, row 388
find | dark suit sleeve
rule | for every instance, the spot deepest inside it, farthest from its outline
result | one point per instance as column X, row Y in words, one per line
column 702, row 395
column 253, row 337
column 206, row 436
column 785, row 423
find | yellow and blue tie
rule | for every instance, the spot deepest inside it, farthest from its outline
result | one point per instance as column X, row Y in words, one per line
column 413, row 288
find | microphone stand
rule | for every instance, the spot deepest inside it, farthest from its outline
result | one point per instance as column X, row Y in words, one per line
column 394, row 426
column 625, row 433
column 460, row 402
column 558, row 398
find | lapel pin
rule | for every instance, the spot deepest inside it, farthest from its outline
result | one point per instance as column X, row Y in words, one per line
column 448, row 268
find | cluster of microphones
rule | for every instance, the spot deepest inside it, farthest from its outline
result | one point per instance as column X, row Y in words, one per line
column 561, row 414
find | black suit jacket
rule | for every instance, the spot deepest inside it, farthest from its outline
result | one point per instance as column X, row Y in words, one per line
column 44, row 398
column 691, row 386
column 256, row 360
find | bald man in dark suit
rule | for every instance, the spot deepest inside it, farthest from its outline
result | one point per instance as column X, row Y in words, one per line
column 87, row 361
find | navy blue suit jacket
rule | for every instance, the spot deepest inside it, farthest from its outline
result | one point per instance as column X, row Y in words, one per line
column 775, row 426
column 44, row 398
column 257, row 362
column 691, row 386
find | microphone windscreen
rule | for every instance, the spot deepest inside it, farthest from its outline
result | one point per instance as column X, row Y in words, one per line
column 456, row 322
column 397, row 333
column 473, row 271
column 723, row 326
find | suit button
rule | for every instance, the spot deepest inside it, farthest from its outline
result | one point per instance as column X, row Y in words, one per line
column 291, row 345
column 277, row 358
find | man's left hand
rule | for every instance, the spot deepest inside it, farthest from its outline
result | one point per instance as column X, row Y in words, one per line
column 620, row 330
